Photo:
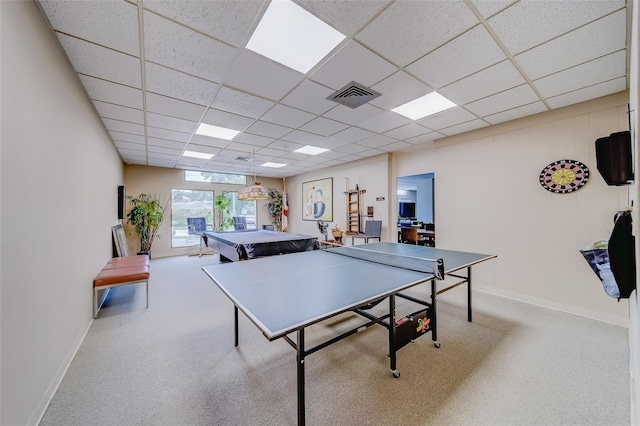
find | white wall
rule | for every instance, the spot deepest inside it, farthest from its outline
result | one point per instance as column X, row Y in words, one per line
column 59, row 177
column 371, row 175
column 488, row 200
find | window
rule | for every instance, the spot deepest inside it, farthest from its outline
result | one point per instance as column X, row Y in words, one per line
column 187, row 203
column 197, row 176
column 245, row 209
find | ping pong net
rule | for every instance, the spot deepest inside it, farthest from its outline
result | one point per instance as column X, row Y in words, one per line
column 418, row 264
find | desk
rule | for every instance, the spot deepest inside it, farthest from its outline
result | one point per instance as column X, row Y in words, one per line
column 283, row 295
column 253, row 243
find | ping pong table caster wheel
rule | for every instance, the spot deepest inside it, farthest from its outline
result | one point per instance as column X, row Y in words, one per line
column 436, row 344
column 395, row 373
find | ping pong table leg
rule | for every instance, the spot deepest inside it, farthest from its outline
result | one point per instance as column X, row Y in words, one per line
column 434, row 321
column 469, row 293
column 300, row 376
column 235, row 324
column 392, row 336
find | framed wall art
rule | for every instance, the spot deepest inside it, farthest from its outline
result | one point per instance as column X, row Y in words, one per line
column 317, row 200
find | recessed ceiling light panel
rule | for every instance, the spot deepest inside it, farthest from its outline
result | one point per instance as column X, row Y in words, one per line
column 195, row 154
column 424, row 106
column 311, row 150
column 274, row 165
column 216, row 132
column 290, row 35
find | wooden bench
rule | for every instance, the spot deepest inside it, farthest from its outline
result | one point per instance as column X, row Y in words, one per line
column 121, row 271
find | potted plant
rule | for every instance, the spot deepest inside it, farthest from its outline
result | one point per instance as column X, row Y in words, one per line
column 145, row 215
column 222, row 204
column 274, row 207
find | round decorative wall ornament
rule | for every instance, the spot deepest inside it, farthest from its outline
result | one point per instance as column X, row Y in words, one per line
column 564, row 176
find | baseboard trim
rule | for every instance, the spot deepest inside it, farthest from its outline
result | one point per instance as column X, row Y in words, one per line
column 543, row 303
column 42, row 406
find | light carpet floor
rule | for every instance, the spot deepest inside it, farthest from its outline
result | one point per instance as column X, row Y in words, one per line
column 175, row 364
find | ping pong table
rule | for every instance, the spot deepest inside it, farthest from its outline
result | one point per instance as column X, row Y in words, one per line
column 283, row 295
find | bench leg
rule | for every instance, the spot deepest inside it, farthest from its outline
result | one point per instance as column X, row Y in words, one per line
column 95, row 303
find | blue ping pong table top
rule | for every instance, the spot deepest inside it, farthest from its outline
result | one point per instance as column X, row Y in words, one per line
column 281, row 294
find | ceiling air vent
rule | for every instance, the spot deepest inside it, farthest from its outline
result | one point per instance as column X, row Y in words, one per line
column 353, row 95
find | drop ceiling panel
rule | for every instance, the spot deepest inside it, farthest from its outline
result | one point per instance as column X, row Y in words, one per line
column 167, row 143
column 489, row 8
column 514, row 113
column 352, row 148
column 227, row 21
column 253, row 140
column 97, row 61
column 352, row 116
column 262, row 128
column 113, row 93
column 396, row 146
column 463, row 56
column 304, row 138
column 384, row 122
column 348, row 17
column 287, row 116
column 407, row 131
column 352, row 134
column 161, row 163
column 529, row 23
column 255, row 74
column 606, row 68
column 123, row 126
column 353, row 62
column 178, row 85
column 503, row 101
column 86, row 20
column 166, row 153
column 174, row 107
column 377, row 141
column 119, row 112
column 464, row 127
column 177, row 47
column 170, row 123
column 229, row 120
column 591, row 92
column 496, row 78
column 447, row 118
column 207, row 141
column 311, row 97
column 286, row 146
column 323, row 126
column 427, row 24
column 240, row 103
column 398, row 89
column 155, row 132
column 131, row 146
column 127, row 137
column 597, row 39
column 194, row 68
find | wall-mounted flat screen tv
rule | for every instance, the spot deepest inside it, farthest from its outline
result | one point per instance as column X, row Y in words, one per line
column 407, row 209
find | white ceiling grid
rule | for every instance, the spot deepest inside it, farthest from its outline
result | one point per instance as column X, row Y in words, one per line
column 156, row 69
